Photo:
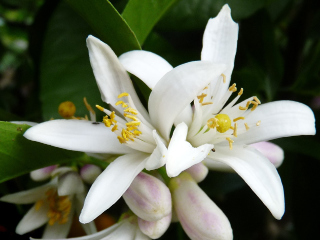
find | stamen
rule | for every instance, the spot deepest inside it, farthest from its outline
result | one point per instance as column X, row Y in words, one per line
column 201, row 97
column 38, row 205
column 257, row 100
column 212, row 123
column 115, row 127
column 131, row 110
column 232, row 128
column 123, row 95
column 224, row 78
column 88, row 106
column 124, row 105
column 235, row 130
column 242, row 108
column 258, row 123
column 230, row 142
column 133, row 123
column 240, row 92
column 233, row 88
column 206, row 103
column 246, row 125
column 100, row 108
column 238, row 118
column 121, row 140
column 132, row 117
column 205, row 88
column 67, row 109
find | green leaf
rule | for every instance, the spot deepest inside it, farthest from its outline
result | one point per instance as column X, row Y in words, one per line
column 65, row 71
column 19, row 155
column 107, row 23
column 142, row 15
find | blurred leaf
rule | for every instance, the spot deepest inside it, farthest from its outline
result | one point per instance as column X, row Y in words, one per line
column 65, row 71
column 19, row 155
column 194, row 14
column 107, row 23
column 142, row 15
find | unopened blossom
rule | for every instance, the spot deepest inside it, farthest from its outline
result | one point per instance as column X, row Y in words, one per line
column 89, row 173
column 272, row 151
column 42, row 173
column 198, row 172
column 148, row 197
column 199, row 216
column 55, row 204
column 218, row 127
column 155, row 229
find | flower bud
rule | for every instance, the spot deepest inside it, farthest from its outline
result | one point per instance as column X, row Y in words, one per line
column 272, row 151
column 198, row 172
column 42, row 173
column 89, row 173
column 148, row 197
column 70, row 183
column 199, row 216
column 155, row 229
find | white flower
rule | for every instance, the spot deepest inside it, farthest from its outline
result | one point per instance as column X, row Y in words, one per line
column 55, row 204
column 226, row 129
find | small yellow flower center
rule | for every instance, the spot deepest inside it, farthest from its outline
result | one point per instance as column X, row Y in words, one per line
column 224, row 122
column 59, row 207
column 67, row 109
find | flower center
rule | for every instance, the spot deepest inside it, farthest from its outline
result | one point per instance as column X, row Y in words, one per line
column 59, row 207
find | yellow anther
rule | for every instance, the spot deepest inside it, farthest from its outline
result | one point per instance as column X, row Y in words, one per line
column 119, row 102
column 224, row 78
column 255, row 104
column 115, row 127
column 131, row 110
column 38, row 204
column 100, row 108
column 132, row 117
column 231, row 127
column 235, row 129
column 121, row 140
column 243, row 108
column 205, row 88
column 240, row 92
column 238, row 118
column 112, row 117
column 206, row 103
column 136, row 132
column 230, row 142
column 201, row 97
column 212, row 123
column 224, row 122
column 133, row 123
column 254, row 107
column 132, row 128
column 88, row 106
column 66, row 109
column 123, row 95
column 233, row 88
column 246, row 125
column 107, row 121
column 257, row 100
column 258, row 123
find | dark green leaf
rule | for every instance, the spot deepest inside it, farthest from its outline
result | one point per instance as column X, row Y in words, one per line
column 142, row 15
column 19, row 155
column 107, row 23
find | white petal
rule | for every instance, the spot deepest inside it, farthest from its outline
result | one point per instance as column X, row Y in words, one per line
column 111, row 77
column 270, row 150
column 111, row 184
column 220, row 41
column 278, row 119
column 147, row 66
column 28, row 196
column 181, row 154
column 32, row 220
column 70, row 183
column 217, row 166
column 258, row 172
column 125, row 231
column 77, row 135
column 184, row 116
column 176, row 90
column 159, row 155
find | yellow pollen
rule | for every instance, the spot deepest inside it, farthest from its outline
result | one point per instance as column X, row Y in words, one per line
column 201, row 97
column 131, row 110
column 121, row 140
column 257, row 100
column 107, row 121
column 233, row 88
column 88, row 106
column 235, row 130
column 123, row 104
column 243, row 108
column 132, row 128
column 205, row 88
column 133, row 123
column 123, row 95
column 206, row 103
column 132, row 117
column 67, row 109
column 112, row 117
column 224, row 122
column 240, row 92
column 212, row 123
column 136, row 132
column 258, row 123
column 224, row 78
column 115, row 127
column 100, row 108
column 230, row 142
column 247, row 127
column 254, row 107
column 238, row 118
column 231, row 127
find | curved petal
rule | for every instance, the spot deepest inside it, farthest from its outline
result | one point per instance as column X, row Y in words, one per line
column 184, row 116
column 77, row 135
column 111, row 77
column 181, row 154
column 176, row 90
column 272, row 151
column 147, row 66
column 220, row 42
column 278, row 119
column 111, row 184
column 158, row 158
column 34, row 218
column 258, row 172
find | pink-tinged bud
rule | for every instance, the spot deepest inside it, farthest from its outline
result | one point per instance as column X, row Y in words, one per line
column 199, row 216
column 89, row 173
column 198, row 172
column 272, row 151
column 42, row 173
column 148, row 198
column 70, row 183
column 155, row 229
